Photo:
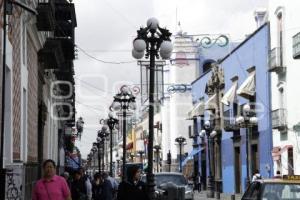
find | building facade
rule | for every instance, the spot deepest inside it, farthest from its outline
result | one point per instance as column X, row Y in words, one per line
column 34, row 121
column 284, row 71
column 239, row 73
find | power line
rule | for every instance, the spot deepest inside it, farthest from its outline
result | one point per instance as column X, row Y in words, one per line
column 103, row 61
column 91, row 107
column 93, row 86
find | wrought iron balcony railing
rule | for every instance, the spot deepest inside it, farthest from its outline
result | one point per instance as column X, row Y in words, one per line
column 279, row 119
column 276, row 60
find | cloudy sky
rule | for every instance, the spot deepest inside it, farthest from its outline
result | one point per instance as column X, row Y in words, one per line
column 104, row 37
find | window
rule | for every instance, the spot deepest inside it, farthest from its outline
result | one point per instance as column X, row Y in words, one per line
column 290, row 161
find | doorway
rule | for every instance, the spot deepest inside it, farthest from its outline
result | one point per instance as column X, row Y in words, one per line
column 237, row 169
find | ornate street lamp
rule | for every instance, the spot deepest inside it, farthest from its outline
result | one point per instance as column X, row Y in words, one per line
column 210, row 133
column 248, row 120
column 112, row 123
column 102, row 134
column 181, row 141
column 96, row 147
column 152, row 39
column 79, row 127
column 123, row 102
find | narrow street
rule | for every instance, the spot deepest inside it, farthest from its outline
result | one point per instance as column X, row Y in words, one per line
column 100, row 98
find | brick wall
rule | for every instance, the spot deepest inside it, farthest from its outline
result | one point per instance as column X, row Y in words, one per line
column 14, row 37
column 32, row 100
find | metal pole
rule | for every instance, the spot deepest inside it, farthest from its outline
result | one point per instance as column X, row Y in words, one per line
column 157, row 158
column 150, row 175
column 247, row 156
column 124, row 145
column 210, row 192
column 99, row 158
column 250, row 153
column 2, row 169
column 218, row 142
column 111, row 149
column 180, row 162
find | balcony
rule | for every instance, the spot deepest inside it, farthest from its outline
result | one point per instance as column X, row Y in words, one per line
column 275, row 64
column 68, row 48
column 64, row 29
column 296, row 46
column 229, row 121
column 65, row 11
column 279, row 119
column 46, row 15
column 51, row 55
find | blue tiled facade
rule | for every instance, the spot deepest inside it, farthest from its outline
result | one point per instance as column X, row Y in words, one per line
column 254, row 51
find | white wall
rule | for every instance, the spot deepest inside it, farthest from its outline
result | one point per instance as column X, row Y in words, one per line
column 175, row 109
column 291, row 26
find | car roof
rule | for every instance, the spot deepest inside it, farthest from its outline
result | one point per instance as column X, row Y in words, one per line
column 278, row 180
column 169, row 173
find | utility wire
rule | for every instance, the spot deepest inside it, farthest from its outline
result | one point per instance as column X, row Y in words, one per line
column 103, row 61
column 91, row 107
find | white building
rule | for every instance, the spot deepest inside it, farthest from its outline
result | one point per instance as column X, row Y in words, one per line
column 182, row 71
column 284, row 19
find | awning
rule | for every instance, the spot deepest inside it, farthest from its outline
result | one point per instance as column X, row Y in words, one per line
column 197, row 110
column 247, row 89
column 190, row 156
column 210, row 104
column 230, row 95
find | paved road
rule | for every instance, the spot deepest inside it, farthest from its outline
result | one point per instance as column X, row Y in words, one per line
column 201, row 196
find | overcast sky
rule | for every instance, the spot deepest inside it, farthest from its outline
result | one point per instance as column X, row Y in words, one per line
column 105, row 32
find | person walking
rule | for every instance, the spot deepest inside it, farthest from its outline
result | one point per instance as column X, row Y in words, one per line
column 80, row 188
column 113, row 182
column 132, row 188
column 102, row 188
column 96, row 187
column 51, row 186
column 256, row 175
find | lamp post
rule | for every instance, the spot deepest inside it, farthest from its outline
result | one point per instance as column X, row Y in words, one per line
column 181, row 141
column 214, row 86
column 152, row 39
column 96, row 147
column 79, row 127
column 102, row 134
column 123, row 102
column 208, row 130
column 112, row 121
column 247, row 120
column 157, row 149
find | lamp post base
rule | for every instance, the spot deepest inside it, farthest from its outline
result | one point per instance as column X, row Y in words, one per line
column 150, row 186
column 210, row 187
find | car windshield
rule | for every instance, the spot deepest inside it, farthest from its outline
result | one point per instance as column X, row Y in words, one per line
column 174, row 178
column 281, row 191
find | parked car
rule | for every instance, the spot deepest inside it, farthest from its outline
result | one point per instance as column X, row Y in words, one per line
column 285, row 188
column 176, row 178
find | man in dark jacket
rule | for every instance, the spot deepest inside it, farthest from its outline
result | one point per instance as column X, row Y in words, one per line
column 78, row 187
column 132, row 188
